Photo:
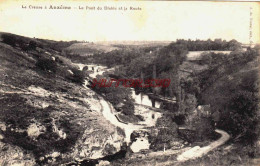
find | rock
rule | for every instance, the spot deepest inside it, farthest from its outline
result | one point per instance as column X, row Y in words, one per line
column 34, row 130
column 228, row 148
column 2, row 127
column 94, row 147
column 109, row 149
column 37, row 103
column 70, row 72
column 141, row 143
column 176, row 144
column 103, row 163
column 55, row 154
column 60, row 132
column 15, row 156
column 39, row 91
column 41, row 158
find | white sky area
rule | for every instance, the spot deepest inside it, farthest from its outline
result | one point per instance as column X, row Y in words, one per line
column 157, row 21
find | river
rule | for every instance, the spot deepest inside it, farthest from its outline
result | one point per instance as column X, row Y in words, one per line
column 139, row 97
column 108, row 111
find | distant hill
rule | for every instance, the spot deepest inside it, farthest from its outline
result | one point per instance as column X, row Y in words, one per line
column 85, row 49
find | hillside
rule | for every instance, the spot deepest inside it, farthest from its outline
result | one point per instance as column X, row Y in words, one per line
column 46, row 115
column 236, row 95
column 85, row 49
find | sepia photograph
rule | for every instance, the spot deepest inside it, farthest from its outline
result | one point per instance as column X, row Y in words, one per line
column 129, row 83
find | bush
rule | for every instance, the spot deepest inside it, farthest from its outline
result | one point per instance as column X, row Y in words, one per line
column 204, row 128
column 46, row 65
column 32, row 45
column 241, row 120
column 9, row 39
column 128, row 108
column 77, row 77
column 200, row 127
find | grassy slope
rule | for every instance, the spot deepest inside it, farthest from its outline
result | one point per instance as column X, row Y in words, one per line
column 89, row 48
column 227, row 84
column 218, row 95
column 30, row 96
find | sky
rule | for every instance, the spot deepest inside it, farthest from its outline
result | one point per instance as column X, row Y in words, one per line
column 156, row 21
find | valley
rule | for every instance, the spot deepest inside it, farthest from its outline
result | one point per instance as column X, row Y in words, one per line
column 50, row 114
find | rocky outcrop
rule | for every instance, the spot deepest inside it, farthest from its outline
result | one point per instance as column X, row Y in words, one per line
column 11, row 155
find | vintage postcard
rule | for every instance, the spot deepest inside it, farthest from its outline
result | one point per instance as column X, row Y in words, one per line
column 138, row 83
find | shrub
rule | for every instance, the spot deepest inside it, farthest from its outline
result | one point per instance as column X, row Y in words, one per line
column 9, row 39
column 241, row 120
column 77, row 76
column 128, row 108
column 32, row 45
column 46, row 65
column 204, row 128
column 200, row 127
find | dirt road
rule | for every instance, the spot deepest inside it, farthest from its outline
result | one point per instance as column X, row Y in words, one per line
column 197, row 151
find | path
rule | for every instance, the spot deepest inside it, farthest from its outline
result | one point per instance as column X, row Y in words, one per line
column 197, row 152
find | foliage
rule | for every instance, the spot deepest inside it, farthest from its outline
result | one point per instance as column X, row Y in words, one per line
column 224, row 65
column 77, row 76
column 117, row 57
column 9, row 39
column 32, row 45
column 230, row 85
column 116, row 96
column 217, row 44
column 190, row 102
column 24, row 43
column 204, row 128
column 241, row 120
column 55, row 45
column 167, row 132
column 166, row 60
column 46, row 65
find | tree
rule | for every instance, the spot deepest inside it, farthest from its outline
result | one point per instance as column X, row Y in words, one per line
column 117, row 95
column 167, row 131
